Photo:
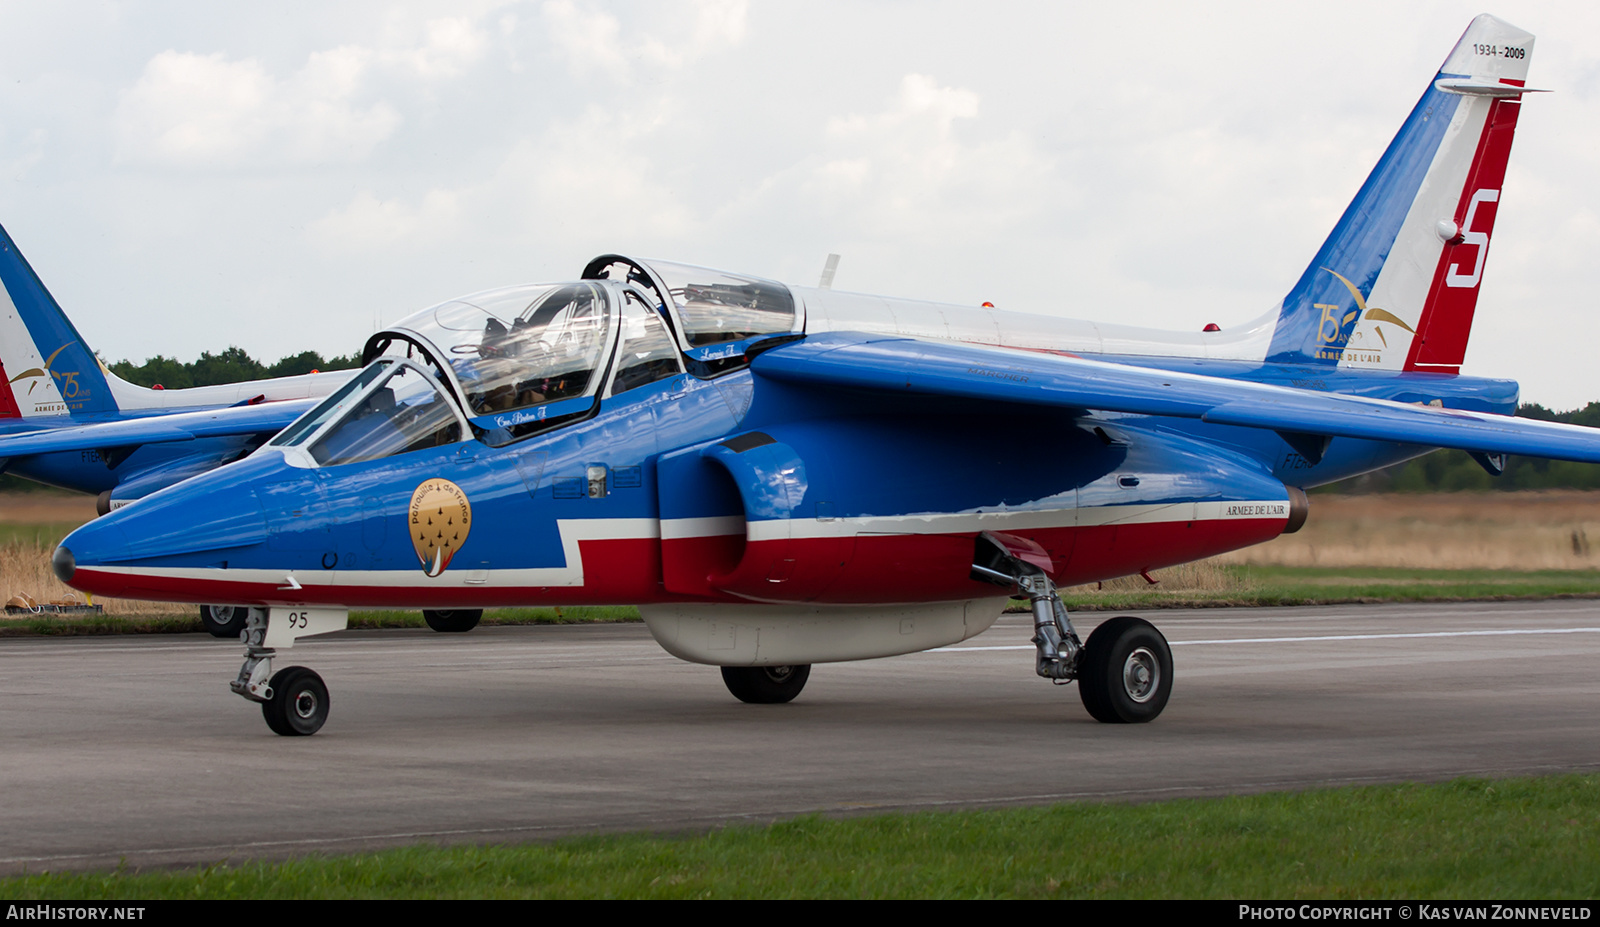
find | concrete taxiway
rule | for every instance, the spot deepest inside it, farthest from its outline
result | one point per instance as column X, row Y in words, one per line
column 132, row 748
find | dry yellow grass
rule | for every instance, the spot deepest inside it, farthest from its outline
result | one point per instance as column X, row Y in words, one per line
column 45, row 508
column 1557, row 530
column 25, row 563
column 1200, row 576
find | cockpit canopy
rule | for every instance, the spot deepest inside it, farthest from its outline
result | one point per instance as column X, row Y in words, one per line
column 715, row 307
column 521, row 347
column 524, row 359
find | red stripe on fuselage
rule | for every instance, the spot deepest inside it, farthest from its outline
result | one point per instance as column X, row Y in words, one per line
column 878, row 568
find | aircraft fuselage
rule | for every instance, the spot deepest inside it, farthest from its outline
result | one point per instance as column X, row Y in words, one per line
column 733, row 489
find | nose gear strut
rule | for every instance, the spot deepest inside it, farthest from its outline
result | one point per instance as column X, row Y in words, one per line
column 254, row 677
column 1008, row 561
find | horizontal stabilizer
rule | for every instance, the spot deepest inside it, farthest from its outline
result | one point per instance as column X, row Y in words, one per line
column 1482, row 88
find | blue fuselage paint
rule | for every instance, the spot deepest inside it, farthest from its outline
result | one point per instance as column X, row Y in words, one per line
column 663, row 457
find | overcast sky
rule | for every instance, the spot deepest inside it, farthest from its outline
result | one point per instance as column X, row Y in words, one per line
column 189, row 176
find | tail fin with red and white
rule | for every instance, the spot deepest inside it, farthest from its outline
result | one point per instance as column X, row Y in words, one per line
column 46, row 368
column 1396, row 284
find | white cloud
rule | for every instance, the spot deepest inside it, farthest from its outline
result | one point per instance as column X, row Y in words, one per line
column 593, row 41
column 718, row 22
column 367, row 223
column 588, row 39
column 579, row 181
column 206, row 110
column 909, row 169
column 452, row 45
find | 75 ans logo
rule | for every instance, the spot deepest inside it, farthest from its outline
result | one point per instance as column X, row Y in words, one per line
column 69, row 386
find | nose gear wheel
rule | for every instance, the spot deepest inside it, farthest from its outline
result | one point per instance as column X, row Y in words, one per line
column 299, row 703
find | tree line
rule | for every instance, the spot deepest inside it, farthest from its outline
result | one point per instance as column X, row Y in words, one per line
column 231, row 366
column 1456, row 471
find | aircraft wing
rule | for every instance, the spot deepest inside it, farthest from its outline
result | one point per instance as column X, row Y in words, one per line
column 886, row 364
column 263, row 418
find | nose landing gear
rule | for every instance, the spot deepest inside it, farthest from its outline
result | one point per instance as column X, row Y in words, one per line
column 294, row 700
column 299, row 703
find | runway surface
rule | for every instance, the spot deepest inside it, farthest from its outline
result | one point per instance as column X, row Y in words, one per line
column 133, row 748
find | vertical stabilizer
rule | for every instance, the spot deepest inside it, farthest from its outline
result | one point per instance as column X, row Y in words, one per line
column 1396, row 283
column 46, row 369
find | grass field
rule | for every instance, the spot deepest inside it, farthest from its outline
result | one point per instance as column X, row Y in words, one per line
column 1442, row 531
column 1504, row 839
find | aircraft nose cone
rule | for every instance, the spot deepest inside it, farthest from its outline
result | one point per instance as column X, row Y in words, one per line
column 198, row 524
column 63, row 564
column 81, row 553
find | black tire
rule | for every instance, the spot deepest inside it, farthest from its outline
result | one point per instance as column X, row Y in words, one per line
column 1125, row 672
column 224, row 620
column 453, row 621
column 299, row 703
column 765, row 685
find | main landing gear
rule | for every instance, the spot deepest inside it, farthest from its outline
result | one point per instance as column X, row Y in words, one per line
column 454, row 620
column 224, row 621
column 765, row 685
column 1124, row 671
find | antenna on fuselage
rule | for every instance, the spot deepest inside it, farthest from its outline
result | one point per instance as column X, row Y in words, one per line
column 828, row 268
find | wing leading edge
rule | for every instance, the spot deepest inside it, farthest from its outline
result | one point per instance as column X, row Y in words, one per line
column 908, row 366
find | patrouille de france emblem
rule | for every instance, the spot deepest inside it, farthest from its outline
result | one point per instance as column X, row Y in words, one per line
column 440, row 519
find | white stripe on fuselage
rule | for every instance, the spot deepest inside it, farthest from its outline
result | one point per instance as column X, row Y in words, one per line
column 1023, row 520
column 463, row 573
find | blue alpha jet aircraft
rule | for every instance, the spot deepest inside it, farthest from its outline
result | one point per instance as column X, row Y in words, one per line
column 66, row 420
column 783, row 476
